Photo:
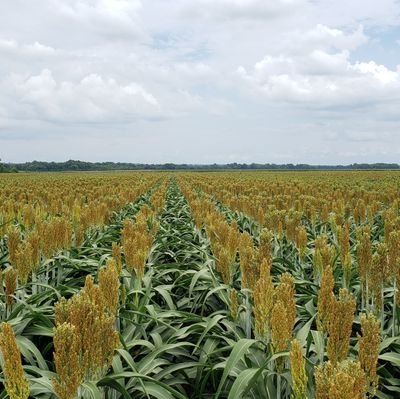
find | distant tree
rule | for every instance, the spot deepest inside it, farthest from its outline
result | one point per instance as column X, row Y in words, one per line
column 6, row 169
column 74, row 165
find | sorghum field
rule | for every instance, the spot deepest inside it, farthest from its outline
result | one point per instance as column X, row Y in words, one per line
column 200, row 285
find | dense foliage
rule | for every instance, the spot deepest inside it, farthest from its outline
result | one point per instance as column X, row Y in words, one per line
column 200, row 285
column 73, row 165
column 6, row 168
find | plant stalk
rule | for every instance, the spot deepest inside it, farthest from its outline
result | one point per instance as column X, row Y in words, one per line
column 394, row 307
column 278, row 386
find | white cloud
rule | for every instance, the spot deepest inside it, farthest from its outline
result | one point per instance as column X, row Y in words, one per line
column 239, row 9
column 114, row 18
column 38, row 48
column 323, row 75
column 369, row 12
column 6, row 44
column 35, row 48
column 249, row 76
column 11, row 48
column 379, row 72
column 322, row 37
column 196, row 70
column 122, row 10
column 92, row 99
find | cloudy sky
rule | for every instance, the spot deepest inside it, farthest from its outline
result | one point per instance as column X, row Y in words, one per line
column 200, row 81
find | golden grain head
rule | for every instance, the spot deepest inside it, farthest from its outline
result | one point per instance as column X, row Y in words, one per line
column 15, row 381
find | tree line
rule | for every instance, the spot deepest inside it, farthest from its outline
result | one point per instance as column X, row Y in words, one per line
column 4, row 168
column 75, row 165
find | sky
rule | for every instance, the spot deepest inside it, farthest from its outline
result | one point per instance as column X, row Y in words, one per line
column 200, row 81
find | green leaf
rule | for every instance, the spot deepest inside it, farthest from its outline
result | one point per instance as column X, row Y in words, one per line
column 238, row 351
column 143, row 379
column 210, row 324
column 89, row 389
column 318, row 338
column 31, row 353
column 302, row 334
column 391, row 357
column 382, row 395
column 166, row 295
column 244, row 379
column 156, row 390
column 387, row 342
column 114, row 384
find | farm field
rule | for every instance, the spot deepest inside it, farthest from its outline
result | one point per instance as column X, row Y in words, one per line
column 200, row 285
